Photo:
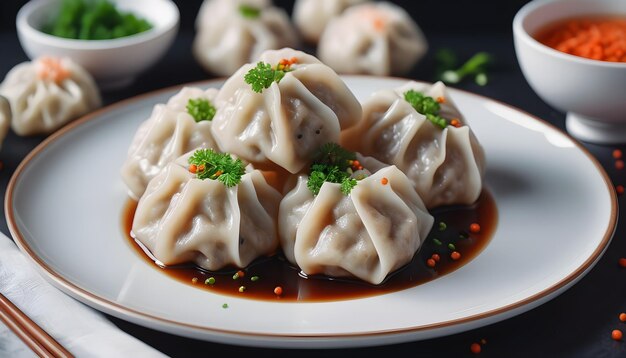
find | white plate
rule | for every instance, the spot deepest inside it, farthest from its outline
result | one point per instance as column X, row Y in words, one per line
column 557, row 213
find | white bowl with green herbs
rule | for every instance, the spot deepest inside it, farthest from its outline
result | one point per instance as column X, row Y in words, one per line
column 114, row 57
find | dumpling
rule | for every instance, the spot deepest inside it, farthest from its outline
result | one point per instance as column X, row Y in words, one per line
column 373, row 38
column 299, row 104
column 5, row 118
column 182, row 218
column 438, row 152
column 374, row 230
column 231, row 33
column 175, row 128
column 47, row 93
column 312, row 16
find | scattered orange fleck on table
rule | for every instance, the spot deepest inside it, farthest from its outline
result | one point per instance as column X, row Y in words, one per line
column 475, row 348
column 616, row 335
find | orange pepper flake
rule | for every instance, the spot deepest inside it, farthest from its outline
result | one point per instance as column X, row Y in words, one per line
column 475, row 348
column 455, row 255
column 431, row 263
column 619, row 189
column 616, row 334
column 384, row 181
column 193, row 168
column 51, row 69
column 201, row 167
column 474, row 228
column 293, row 60
column 240, row 273
column 619, row 164
column 435, row 257
column 599, row 38
column 622, row 317
column 441, row 100
column 278, row 291
column 378, row 23
column 617, row 154
column 622, row 262
column 194, row 280
column 455, row 123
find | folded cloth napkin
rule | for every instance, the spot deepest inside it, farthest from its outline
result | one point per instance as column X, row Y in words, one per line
column 81, row 330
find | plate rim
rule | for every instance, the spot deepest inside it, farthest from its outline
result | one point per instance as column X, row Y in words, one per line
column 110, row 306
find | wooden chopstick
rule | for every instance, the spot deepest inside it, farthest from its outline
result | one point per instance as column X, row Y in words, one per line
column 29, row 332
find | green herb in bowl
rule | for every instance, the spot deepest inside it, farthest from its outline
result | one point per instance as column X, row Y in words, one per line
column 94, row 20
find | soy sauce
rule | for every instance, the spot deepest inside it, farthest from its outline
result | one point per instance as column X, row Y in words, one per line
column 277, row 271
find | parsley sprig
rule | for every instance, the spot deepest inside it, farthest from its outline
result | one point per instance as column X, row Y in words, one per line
column 201, row 109
column 249, row 12
column 332, row 164
column 427, row 106
column 263, row 75
column 208, row 164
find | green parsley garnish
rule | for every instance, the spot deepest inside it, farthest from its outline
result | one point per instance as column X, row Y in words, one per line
column 263, row 75
column 332, row 164
column 427, row 106
column 248, row 11
column 208, row 164
column 201, row 109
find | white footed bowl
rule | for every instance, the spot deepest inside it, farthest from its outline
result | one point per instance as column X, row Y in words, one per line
column 113, row 63
column 591, row 92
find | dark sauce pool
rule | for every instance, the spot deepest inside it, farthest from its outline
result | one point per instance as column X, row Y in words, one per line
column 277, row 271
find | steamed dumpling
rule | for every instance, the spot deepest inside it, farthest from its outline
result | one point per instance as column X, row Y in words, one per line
column 47, row 93
column 5, row 118
column 287, row 122
column 170, row 132
column 231, row 33
column 446, row 165
column 312, row 16
column 373, row 38
column 371, row 232
column 183, row 219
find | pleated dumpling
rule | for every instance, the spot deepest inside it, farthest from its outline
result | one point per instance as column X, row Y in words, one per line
column 366, row 232
column 5, row 118
column 204, row 208
column 173, row 129
column 437, row 151
column 231, row 33
column 312, row 16
column 372, row 38
column 282, row 109
column 47, row 93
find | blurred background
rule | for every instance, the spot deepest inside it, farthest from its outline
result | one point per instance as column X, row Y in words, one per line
column 434, row 16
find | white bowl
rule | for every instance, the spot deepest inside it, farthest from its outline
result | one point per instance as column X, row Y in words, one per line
column 593, row 93
column 113, row 63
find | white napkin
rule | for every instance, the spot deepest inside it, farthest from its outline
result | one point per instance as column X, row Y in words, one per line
column 82, row 330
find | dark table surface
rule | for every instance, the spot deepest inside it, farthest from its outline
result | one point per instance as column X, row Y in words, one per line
column 578, row 323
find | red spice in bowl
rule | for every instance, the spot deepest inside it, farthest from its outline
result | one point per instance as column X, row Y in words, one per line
column 597, row 38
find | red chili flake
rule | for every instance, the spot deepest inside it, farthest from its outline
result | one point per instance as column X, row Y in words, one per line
column 619, row 189
column 455, row 123
column 619, row 164
column 616, row 334
column 240, row 273
column 431, row 263
column 201, row 167
column 622, row 262
column 475, row 348
column 455, row 255
column 622, row 317
column 384, row 181
column 617, row 154
column 278, row 291
column 435, row 257
column 474, row 228
column 441, row 100
column 193, row 168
